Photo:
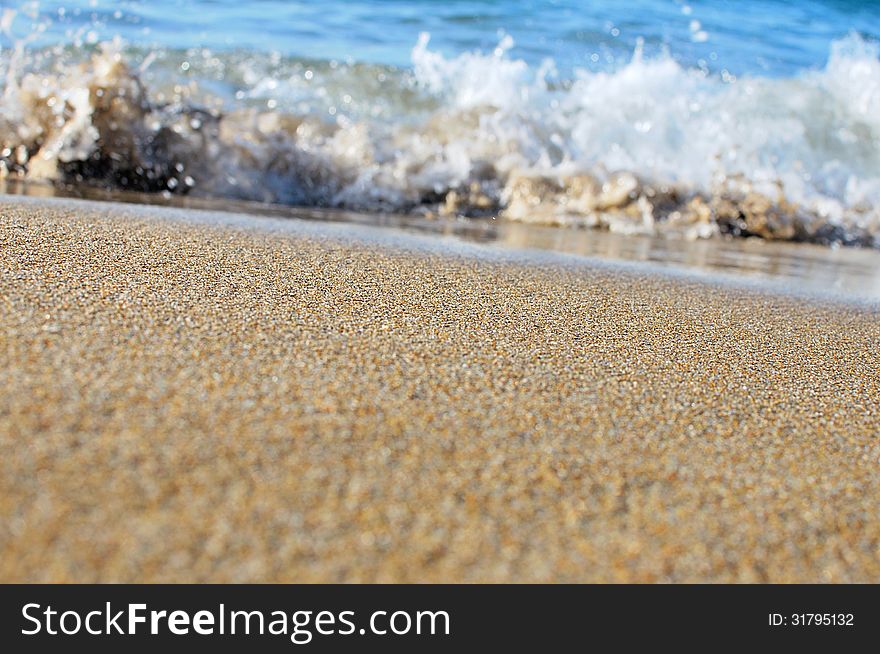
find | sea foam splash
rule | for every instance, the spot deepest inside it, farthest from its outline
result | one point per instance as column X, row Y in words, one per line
column 652, row 147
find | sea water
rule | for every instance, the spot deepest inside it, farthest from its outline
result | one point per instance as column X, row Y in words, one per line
column 680, row 118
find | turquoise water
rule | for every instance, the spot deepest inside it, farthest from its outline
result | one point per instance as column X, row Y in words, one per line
column 772, row 37
column 686, row 119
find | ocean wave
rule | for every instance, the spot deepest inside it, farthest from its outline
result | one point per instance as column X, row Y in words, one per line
column 651, row 147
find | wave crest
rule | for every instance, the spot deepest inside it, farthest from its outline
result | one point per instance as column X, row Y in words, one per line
column 649, row 148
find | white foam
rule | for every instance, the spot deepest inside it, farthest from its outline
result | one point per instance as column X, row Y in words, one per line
column 818, row 135
column 474, row 122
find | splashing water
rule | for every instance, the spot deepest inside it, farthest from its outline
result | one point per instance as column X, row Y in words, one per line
column 648, row 146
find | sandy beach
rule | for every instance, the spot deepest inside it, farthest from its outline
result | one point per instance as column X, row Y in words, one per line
column 187, row 398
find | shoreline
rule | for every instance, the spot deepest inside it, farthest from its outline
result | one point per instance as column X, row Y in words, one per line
column 813, row 273
column 245, row 401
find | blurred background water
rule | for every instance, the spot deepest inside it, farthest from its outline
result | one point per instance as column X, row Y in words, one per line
column 768, row 37
column 686, row 118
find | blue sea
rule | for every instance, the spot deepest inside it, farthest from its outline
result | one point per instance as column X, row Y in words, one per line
column 686, row 118
column 775, row 38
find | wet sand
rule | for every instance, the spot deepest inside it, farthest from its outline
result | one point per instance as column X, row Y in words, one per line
column 187, row 397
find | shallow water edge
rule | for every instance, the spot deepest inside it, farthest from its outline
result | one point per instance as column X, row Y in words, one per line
column 838, row 274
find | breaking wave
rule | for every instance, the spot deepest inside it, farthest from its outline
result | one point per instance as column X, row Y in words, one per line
column 651, row 147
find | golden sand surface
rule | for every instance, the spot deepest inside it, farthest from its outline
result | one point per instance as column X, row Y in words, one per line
column 190, row 399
